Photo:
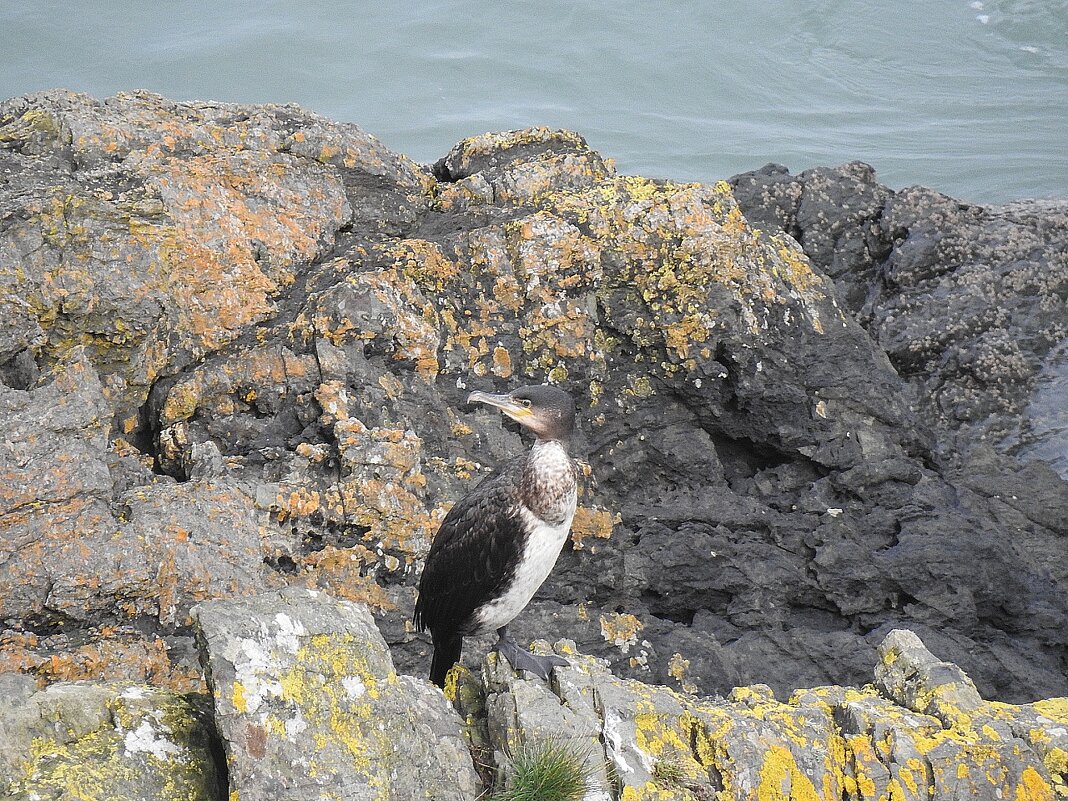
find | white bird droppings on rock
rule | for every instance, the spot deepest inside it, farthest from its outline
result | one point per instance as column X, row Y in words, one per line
column 144, row 739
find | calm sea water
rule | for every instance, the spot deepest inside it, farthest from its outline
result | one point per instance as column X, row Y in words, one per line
column 970, row 98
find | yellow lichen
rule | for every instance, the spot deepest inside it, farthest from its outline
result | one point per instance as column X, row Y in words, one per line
column 457, row 674
column 679, row 669
column 678, row 240
column 332, row 688
column 100, row 763
column 1033, row 787
column 782, row 780
column 423, row 263
column 238, row 698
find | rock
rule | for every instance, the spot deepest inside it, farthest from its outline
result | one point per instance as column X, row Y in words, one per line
column 519, row 712
column 922, row 732
column 236, row 343
column 909, row 674
column 75, row 550
column 968, row 301
column 55, row 481
column 517, row 166
column 121, row 653
column 309, row 705
column 97, row 741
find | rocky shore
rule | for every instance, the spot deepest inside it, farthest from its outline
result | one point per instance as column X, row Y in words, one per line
column 308, row 705
column 235, row 344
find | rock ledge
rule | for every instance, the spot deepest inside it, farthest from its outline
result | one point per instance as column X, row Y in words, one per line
column 308, row 706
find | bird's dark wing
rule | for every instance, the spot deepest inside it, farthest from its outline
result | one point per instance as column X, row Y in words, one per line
column 472, row 554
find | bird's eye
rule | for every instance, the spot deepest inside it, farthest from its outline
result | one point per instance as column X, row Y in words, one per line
column 526, row 402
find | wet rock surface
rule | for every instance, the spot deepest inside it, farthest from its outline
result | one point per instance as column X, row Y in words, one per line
column 235, row 344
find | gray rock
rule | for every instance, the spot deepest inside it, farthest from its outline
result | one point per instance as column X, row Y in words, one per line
column 910, row 675
column 99, row 741
column 523, row 713
column 825, row 742
column 56, row 479
column 516, row 166
column 968, row 301
column 309, row 705
column 150, row 550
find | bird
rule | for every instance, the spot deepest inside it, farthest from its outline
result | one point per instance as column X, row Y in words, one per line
column 498, row 544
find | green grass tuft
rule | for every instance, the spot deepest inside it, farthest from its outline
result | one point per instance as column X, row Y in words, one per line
column 547, row 770
column 668, row 771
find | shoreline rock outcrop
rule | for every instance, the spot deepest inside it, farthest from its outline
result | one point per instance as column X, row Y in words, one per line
column 307, row 705
column 966, row 300
column 235, row 343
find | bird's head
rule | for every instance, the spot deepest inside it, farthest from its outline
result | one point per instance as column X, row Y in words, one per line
column 547, row 411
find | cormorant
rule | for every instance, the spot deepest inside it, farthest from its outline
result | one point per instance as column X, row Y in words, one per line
column 496, row 546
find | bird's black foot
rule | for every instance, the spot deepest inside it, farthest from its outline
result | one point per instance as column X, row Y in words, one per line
column 521, row 659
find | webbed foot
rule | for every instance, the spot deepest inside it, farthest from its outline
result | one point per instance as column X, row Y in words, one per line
column 521, row 659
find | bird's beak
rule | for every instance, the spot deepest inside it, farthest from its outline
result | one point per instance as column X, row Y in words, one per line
column 506, row 403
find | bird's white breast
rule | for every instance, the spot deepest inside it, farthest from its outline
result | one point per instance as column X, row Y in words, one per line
column 544, row 539
column 539, row 555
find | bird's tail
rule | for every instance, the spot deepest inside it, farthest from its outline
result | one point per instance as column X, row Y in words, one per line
column 447, row 648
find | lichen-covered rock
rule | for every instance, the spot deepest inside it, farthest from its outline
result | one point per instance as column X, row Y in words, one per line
column 309, row 706
column 155, row 232
column 236, row 342
column 121, row 653
column 99, row 742
column 140, row 235
column 911, row 676
column 922, row 732
column 79, row 546
column 516, row 167
column 54, row 481
column 519, row 712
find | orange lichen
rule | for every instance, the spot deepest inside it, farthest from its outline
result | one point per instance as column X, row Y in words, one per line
column 341, row 573
column 592, row 522
column 502, row 362
column 297, row 501
column 382, row 487
column 231, row 385
column 621, row 629
column 422, row 263
column 112, row 654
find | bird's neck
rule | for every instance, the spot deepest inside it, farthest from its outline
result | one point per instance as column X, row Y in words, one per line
column 548, row 453
column 549, row 481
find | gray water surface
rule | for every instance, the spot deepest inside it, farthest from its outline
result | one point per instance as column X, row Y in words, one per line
column 970, row 98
